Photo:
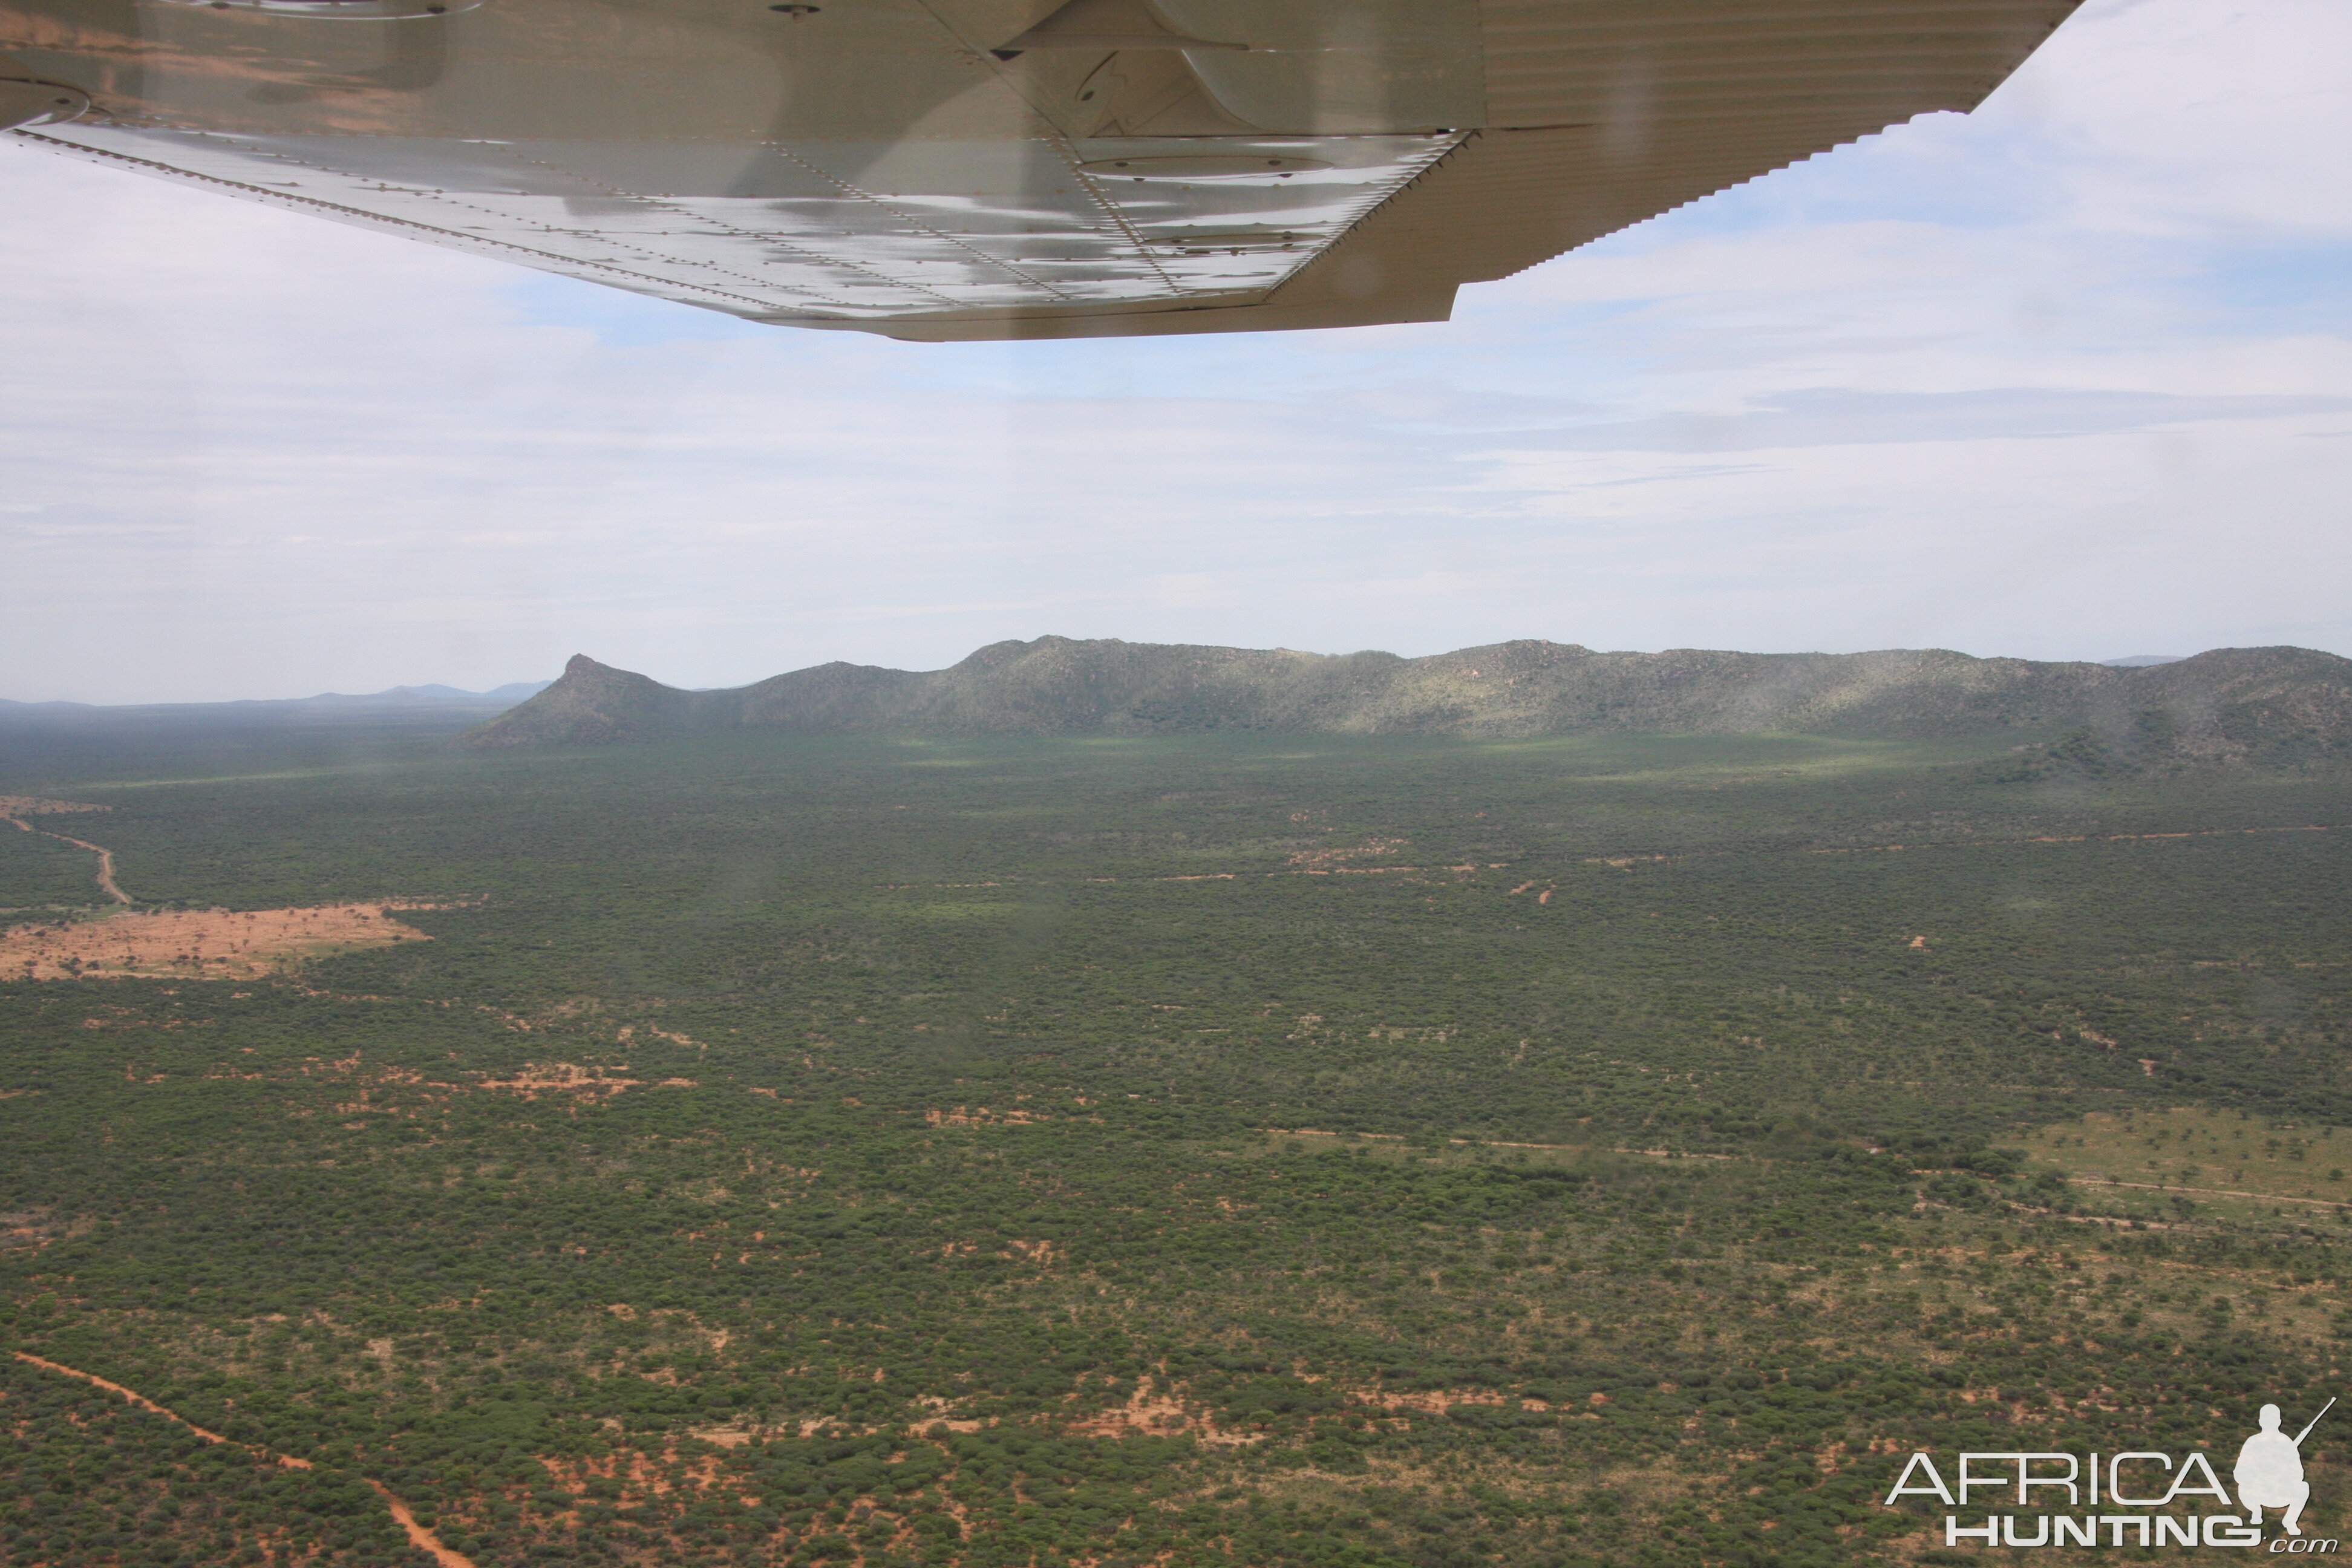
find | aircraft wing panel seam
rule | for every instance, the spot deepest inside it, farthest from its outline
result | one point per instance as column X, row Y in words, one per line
column 1372, row 206
column 1102, row 203
column 779, row 241
column 881, row 205
column 644, row 256
column 361, row 218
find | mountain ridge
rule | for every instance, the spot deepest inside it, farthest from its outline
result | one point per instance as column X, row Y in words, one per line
column 2224, row 705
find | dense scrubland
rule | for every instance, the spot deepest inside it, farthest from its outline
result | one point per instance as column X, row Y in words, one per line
column 1209, row 1150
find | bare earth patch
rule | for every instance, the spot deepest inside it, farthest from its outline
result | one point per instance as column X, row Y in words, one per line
column 976, row 1116
column 13, row 805
column 34, row 1227
column 1157, row 1414
column 566, row 1077
column 1376, row 848
column 216, row 944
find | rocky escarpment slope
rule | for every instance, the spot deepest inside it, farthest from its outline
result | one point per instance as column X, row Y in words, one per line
column 2276, row 703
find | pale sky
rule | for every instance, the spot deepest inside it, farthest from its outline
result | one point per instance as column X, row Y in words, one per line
column 2070, row 377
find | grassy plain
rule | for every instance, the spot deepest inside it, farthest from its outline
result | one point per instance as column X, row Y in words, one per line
column 1200, row 1152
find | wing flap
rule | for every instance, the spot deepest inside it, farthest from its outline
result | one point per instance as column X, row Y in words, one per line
column 894, row 175
column 1626, row 109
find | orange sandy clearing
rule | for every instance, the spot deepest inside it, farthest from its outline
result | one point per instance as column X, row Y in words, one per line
column 1158, row 1414
column 1044, row 1254
column 14, row 806
column 217, row 944
column 1332, row 857
column 975, row 1116
column 566, row 1077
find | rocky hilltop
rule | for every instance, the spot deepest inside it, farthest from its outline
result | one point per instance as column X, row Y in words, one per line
column 2259, row 704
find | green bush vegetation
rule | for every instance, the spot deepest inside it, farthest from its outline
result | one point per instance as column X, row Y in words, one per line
column 1205, row 1151
column 39, row 872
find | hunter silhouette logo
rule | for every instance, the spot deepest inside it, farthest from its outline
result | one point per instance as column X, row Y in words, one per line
column 2270, row 1470
column 2268, row 1475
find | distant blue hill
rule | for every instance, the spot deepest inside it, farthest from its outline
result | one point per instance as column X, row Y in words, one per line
column 512, row 692
column 397, row 698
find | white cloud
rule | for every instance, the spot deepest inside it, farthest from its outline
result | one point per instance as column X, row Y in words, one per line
column 2066, row 377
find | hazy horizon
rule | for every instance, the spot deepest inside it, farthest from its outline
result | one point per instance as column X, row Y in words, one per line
column 493, row 688
column 2062, row 378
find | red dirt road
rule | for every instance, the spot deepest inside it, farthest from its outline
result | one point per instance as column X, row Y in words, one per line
column 105, row 856
column 418, row 1536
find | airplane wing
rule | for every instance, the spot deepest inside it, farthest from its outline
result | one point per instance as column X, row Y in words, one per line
column 943, row 170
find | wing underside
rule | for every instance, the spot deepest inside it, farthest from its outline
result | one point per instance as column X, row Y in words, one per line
column 964, row 169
